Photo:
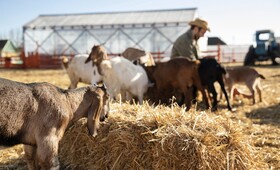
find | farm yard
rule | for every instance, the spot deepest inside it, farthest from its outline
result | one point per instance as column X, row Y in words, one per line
column 156, row 61
column 161, row 137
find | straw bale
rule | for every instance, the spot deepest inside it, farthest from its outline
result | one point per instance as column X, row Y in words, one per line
column 12, row 158
column 157, row 137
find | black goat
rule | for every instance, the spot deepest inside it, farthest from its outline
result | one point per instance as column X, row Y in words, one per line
column 211, row 71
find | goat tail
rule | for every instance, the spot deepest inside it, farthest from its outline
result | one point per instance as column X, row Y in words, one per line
column 222, row 69
column 65, row 62
column 261, row 76
column 197, row 62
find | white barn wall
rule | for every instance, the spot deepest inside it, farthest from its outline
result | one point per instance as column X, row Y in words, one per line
column 154, row 31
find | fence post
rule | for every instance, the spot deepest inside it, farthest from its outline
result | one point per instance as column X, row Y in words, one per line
column 8, row 62
column 219, row 53
column 37, row 59
column 233, row 58
column 23, row 58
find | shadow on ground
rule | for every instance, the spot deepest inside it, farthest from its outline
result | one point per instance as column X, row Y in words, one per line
column 268, row 115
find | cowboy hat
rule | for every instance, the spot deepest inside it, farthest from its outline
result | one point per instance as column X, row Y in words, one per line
column 200, row 23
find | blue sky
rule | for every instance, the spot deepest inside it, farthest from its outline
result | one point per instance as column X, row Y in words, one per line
column 233, row 21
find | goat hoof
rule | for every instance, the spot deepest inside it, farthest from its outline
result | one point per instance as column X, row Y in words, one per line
column 214, row 109
column 233, row 109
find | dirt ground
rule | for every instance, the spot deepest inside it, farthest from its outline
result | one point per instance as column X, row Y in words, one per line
column 261, row 121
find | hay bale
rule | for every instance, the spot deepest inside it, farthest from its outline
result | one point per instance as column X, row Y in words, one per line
column 157, row 137
column 12, row 158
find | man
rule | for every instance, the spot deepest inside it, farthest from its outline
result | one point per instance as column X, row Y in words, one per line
column 186, row 45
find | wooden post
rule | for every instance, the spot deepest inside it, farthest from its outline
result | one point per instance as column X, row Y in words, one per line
column 219, row 52
column 8, row 62
column 233, row 58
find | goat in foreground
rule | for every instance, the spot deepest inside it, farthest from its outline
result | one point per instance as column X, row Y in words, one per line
column 244, row 75
column 37, row 115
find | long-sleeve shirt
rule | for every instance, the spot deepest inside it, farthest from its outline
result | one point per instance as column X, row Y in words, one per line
column 185, row 46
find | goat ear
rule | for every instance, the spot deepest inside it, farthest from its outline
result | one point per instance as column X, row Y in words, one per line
column 88, row 59
column 104, row 55
column 94, row 116
column 103, row 86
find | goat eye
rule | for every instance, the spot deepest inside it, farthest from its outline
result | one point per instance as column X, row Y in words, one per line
column 94, row 72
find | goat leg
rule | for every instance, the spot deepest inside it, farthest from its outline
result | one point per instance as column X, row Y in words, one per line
column 222, row 85
column 30, row 155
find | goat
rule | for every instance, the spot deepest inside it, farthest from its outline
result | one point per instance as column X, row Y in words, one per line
column 37, row 115
column 134, row 54
column 96, row 56
column 85, row 68
column 244, row 75
column 79, row 71
column 211, row 71
column 120, row 75
column 179, row 74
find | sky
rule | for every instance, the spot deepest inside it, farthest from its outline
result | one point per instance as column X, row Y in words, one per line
column 234, row 21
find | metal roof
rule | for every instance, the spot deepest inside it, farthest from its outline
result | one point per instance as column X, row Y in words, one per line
column 2, row 44
column 215, row 41
column 174, row 16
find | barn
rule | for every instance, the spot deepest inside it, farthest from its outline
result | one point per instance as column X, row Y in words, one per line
column 69, row 34
column 8, row 49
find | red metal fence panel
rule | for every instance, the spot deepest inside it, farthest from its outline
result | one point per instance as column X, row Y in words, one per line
column 36, row 60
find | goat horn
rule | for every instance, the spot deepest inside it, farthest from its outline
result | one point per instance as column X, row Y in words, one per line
column 104, row 86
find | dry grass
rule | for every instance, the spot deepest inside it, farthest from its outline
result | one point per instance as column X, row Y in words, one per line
column 159, row 137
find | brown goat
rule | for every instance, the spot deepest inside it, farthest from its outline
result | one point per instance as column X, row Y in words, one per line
column 244, row 75
column 37, row 115
column 179, row 74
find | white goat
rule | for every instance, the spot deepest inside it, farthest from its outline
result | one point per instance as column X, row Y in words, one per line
column 120, row 75
column 133, row 54
column 37, row 115
column 79, row 71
